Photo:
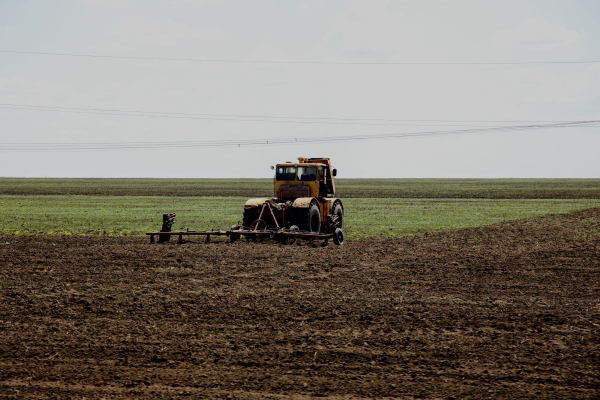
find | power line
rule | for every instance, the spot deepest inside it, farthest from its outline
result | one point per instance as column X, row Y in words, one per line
column 264, row 118
column 116, row 146
column 235, row 61
column 218, row 118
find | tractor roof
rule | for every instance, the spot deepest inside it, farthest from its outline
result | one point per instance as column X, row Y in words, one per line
column 297, row 164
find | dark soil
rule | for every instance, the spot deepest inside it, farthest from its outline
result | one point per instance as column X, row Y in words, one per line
column 511, row 310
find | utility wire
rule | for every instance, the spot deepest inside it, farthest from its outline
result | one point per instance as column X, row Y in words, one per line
column 114, row 146
column 234, row 61
column 265, row 118
column 270, row 120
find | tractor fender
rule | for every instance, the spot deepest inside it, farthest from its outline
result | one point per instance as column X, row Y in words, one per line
column 251, row 203
column 337, row 201
column 331, row 202
column 303, row 202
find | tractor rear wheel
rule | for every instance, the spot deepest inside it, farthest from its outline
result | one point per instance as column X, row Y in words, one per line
column 308, row 219
column 250, row 216
column 338, row 211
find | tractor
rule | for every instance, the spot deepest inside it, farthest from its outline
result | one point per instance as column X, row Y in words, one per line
column 304, row 206
column 304, row 199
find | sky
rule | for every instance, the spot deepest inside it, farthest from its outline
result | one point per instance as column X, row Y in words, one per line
column 378, row 86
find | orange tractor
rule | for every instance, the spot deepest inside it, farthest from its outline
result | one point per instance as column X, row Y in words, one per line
column 304, row 207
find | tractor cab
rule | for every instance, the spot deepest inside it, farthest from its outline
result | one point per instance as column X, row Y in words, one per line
column 308, row 178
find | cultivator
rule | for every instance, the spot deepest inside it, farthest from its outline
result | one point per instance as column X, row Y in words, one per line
column 304, row 206
column 259, row 231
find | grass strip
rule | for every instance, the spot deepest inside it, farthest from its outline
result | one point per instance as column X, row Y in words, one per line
column 364, row 217
column 346, row 188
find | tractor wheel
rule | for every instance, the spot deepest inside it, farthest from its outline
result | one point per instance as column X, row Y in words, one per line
column 250, row 216
column 309, row 219
column 338, row 211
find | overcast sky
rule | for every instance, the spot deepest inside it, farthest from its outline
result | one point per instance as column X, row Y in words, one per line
column 338, row 33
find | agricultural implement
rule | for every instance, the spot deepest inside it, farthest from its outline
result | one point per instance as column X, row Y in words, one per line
column 304, row 207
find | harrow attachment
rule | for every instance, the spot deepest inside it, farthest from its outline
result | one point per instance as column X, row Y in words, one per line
column 259, row 230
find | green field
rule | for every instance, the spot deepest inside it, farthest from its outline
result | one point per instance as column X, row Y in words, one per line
column 346, row 188
column 373, row 208
column 135, row 215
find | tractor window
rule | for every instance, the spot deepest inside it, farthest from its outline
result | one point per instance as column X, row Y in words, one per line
column 285, row 173
column 307, row 173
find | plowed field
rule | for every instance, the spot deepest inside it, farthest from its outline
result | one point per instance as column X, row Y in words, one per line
column 510, row 310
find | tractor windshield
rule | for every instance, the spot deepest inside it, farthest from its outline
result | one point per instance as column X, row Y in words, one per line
column 307, row 173
column 285, row 173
